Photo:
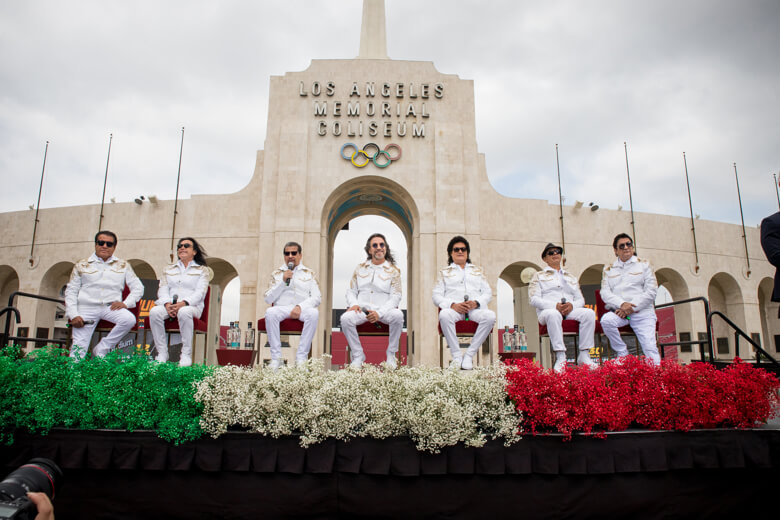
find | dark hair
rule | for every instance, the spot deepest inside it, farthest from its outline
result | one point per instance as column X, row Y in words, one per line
column 621, row 235
column 200, row 253
column 452, row 243
column 109, row 233
column 293, row 244
column 388, row 254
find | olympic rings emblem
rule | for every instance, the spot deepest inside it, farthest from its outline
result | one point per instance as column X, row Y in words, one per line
column 380, row 158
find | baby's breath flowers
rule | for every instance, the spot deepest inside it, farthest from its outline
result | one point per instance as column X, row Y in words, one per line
column 435, row 408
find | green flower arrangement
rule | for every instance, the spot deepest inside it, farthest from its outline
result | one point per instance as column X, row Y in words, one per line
column 47, row 389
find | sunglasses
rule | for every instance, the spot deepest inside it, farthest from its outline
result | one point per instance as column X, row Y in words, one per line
column 290, row 253
column 106, row 243
column 378, row 246
column 185, row 246
column 459, row 249
column 625, row 245
column 552, row 252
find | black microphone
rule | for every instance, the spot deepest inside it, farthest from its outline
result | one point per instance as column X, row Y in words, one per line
column 465, row 299
column 563, row 301
column 175, row 299
column 366, row 311
column 290, row 266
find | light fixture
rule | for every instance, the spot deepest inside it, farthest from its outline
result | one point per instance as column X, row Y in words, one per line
column 140, row 200
column 620, row 207
column 152, row 199
column 593, row 207
column 113, row 199
column 32, row 206
column 578, row 204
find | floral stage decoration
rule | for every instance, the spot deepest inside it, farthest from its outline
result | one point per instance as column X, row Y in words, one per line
column 435, row 408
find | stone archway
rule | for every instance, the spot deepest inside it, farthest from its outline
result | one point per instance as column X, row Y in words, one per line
column 382, row 197
column 50, row 315
column 523, row 313
column 674, row 282
column 725, row 295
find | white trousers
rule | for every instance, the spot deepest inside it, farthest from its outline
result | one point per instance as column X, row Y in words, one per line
column 553, row 320
column 122, row 319
column 157, row 317
column 643, row 325
column 485, row 318
column 351, row 319
column 275, row 315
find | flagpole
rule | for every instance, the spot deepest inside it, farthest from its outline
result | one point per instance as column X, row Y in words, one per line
column 560, row 197
column 176, row 200
column 630, row 198
column 105, row 180
column 744, row 234
column 690, row 205
column 38, row 206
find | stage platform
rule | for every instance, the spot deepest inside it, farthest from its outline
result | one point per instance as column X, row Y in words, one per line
column 642, row 474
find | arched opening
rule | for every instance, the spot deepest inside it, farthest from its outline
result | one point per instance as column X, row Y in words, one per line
column 674, row 323
column 50, row 319
column 725, row 296
column 148, row 277
column 224, row 298
column 770, row 324
column 9, row 283
column 512, row 305
column 348, row 252
column 379, row 197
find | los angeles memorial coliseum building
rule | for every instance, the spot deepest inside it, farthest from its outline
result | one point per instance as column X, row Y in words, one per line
column 431, row 182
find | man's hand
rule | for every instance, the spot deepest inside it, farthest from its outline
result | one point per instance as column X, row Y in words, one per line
column 626, row 309
column 287, row 275
column 564, row 308
column 372, row 316
column 296, row 312
column 117, row 305
column 460, row 307
column 77, row 322
column 43, row 505
column 355, row 308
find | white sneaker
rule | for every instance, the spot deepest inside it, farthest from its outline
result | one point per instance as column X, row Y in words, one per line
column 162, row 356
column 357, row 360
column 101, row 351
column 299, row 362
column 185, row 360
column 391, row 362
column 456, row 363
column 585, row 360
column 560, row 362
column 275, row 364
column 468, row 362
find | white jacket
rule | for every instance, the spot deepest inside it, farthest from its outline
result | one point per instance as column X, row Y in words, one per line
column 375, row 287
column 302, row 291
column 94, row 283
column 633, row 282
column 188, row 283
column 547, row 288
column 454, row 283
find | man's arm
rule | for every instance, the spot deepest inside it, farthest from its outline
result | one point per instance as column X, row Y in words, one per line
column 439, row 299
column 275, row 287
column 770, row 239
column 315, row 297
column 610, row 299
column 352, row 290
column 535, row 294
column 72, row 294
column 136, row 288
column 649, row 286
column 395, row 295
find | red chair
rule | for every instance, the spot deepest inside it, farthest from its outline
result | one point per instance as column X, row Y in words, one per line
column 371, row 329
column 626, row 330
column 464, row 329
column 200, row 326
column 287, row 327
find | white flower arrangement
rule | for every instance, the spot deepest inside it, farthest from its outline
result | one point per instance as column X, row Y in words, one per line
column 435, row 408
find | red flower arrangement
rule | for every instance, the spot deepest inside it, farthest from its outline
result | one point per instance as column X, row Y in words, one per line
column 635, row 393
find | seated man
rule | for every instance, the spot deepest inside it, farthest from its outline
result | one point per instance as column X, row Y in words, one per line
column 556, row 295
column 373, row 296
column 628, row 288
column 94, row 293
column 462, row 290
column 294, row 293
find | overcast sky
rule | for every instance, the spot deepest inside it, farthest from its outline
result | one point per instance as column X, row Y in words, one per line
column 667, row 77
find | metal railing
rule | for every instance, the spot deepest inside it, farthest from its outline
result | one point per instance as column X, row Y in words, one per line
column 11, row 308
column 701, row 342
column 739, row 332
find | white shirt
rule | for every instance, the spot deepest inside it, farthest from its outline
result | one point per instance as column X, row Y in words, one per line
column 94, row 282
column 548, row 287
column 188, row 283
column 302, row 291
column 455, row 282
column 633, row 282
column 375, row 287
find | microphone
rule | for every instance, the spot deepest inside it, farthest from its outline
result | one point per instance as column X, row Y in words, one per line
column 290, row 266
column 366, row 311
column 465, row 299
column 175, row 299
column 563, row 301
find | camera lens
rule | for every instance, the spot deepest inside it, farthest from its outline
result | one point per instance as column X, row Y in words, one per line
column 38, row 475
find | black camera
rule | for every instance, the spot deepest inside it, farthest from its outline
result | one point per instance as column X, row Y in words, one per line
column 38, row 475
